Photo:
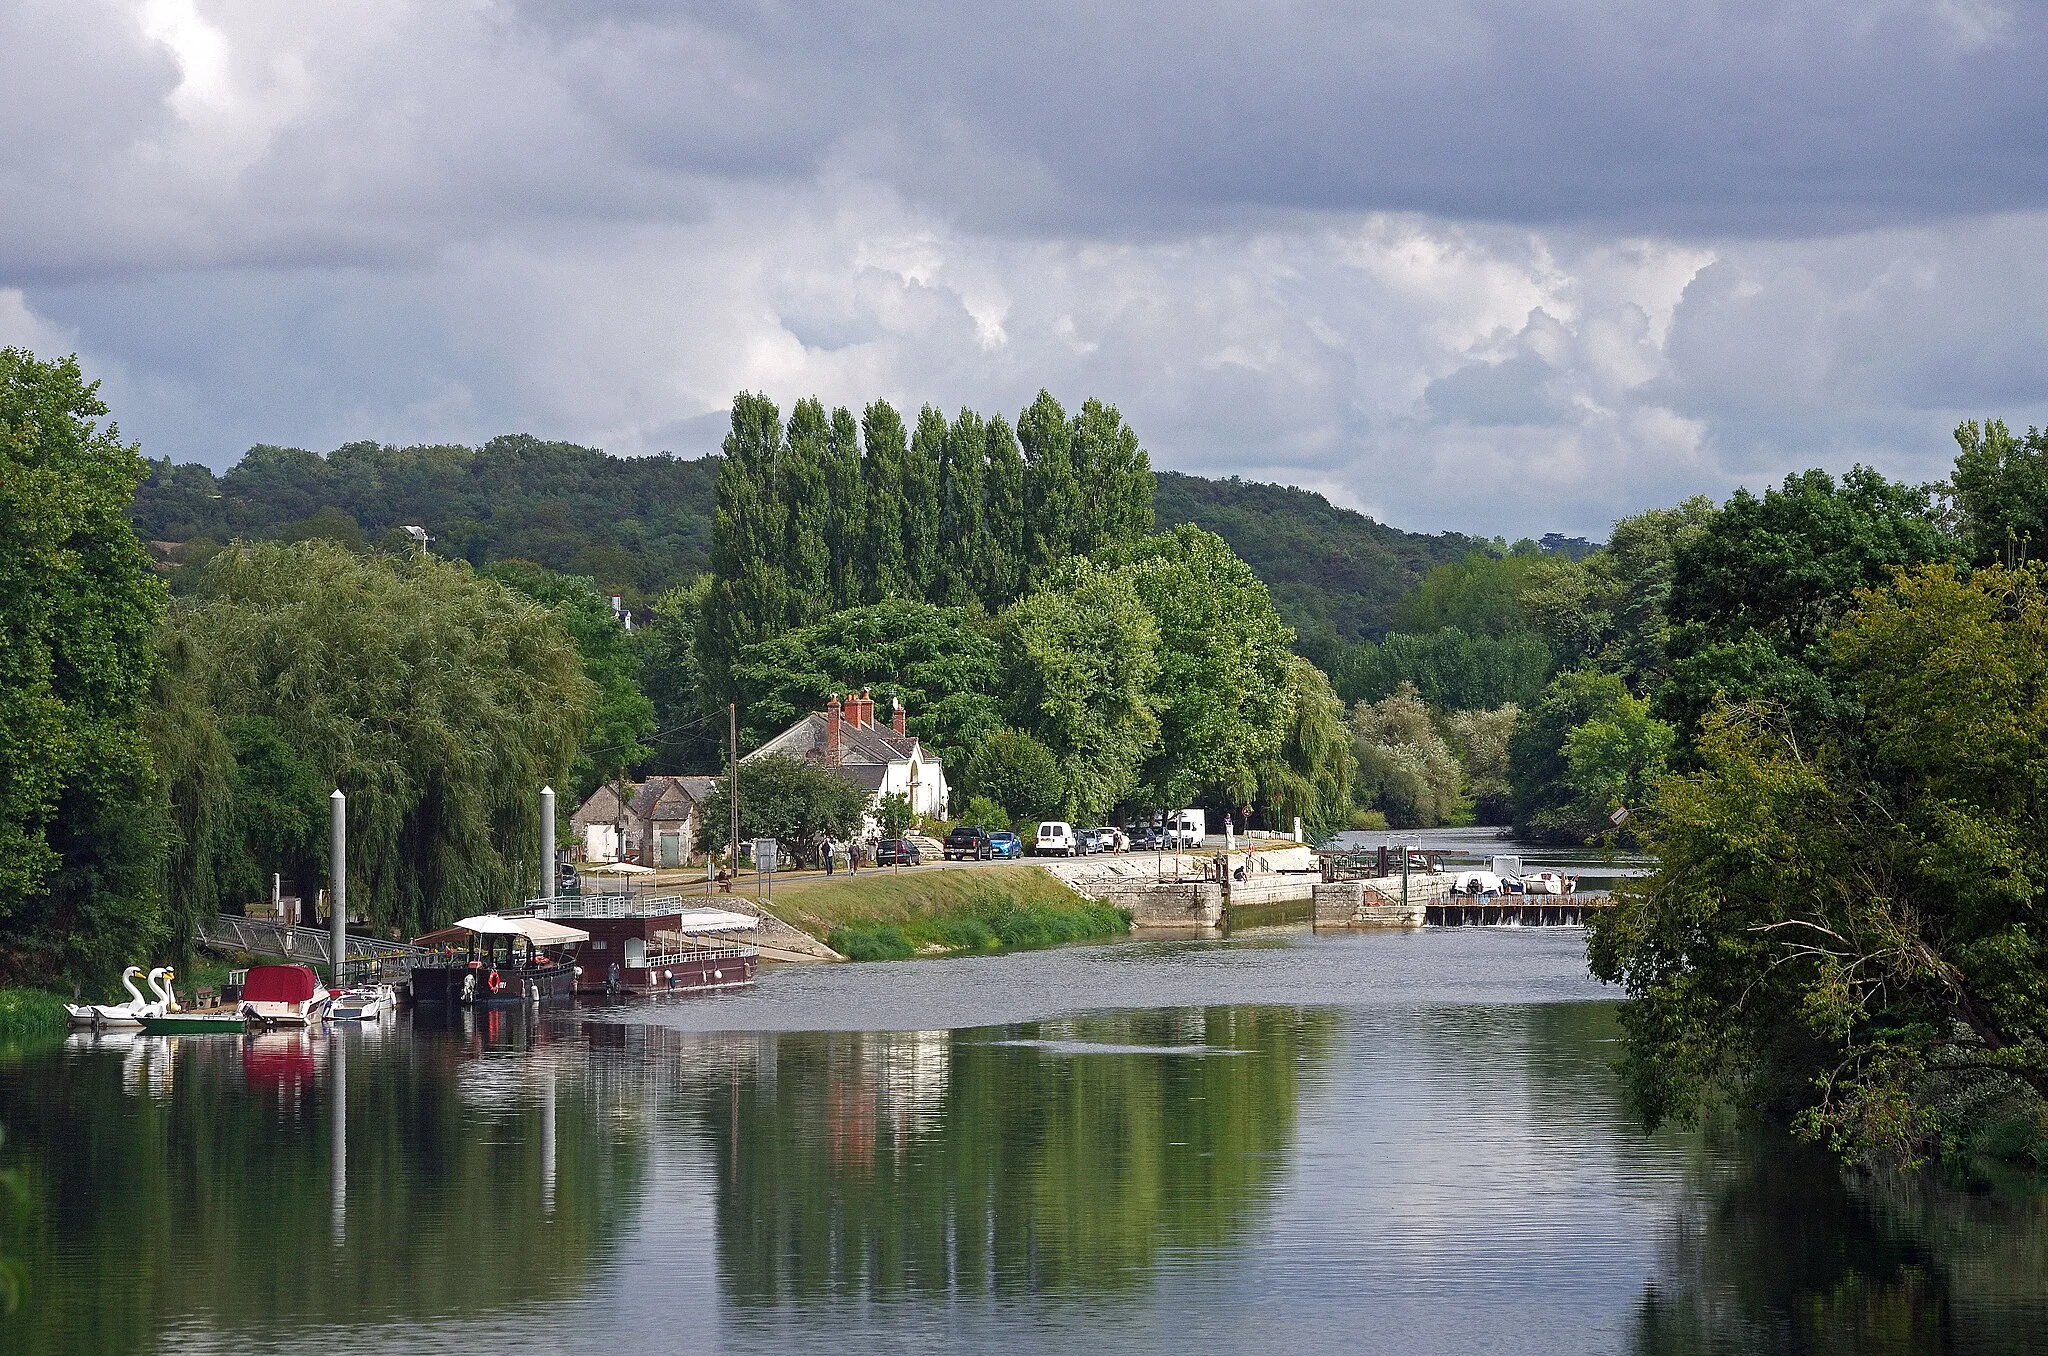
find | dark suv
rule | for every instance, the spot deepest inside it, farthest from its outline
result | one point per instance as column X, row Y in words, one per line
column 897, row 852
column 968, row 842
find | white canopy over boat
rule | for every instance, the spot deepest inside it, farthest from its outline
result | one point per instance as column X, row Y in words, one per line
column 616, row 869
column 716, row 920
column 538, row 931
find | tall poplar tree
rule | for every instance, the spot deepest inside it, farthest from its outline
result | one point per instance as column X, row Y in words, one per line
column 884, row 450
column 1002, row 573
column 749, row 533
column 843, row 512
column 807, row 560
column 922, row 559
column 1116, row 503
column 1052, row 490
column 963, row 538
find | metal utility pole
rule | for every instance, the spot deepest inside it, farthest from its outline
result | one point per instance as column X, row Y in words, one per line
column 732, row 729
column 547, row 842
column 337, row 890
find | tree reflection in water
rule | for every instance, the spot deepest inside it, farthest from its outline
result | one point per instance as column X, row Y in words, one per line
column 1778, row 1250
column 1004, row 1160
column 191, row 1180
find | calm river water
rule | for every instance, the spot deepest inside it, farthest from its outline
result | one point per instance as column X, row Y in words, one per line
column 1406, row 1143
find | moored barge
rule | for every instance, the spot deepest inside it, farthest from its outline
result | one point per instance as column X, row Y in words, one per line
column 490, row 960
column 655, row 943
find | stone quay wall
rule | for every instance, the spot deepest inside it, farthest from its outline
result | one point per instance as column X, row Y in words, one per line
column 1377, row 903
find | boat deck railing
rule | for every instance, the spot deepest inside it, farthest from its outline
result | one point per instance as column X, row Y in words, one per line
column 636, row 904
column 721, row 951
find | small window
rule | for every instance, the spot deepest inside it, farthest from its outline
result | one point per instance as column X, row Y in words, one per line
column 600, row 945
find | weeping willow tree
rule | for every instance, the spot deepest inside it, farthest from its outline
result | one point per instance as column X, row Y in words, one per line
column 437, row 700
column 1312, row 776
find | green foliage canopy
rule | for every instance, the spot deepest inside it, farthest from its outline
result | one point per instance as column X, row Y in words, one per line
column 1545, row 803
column 1843, row 919
column 80, row 828
column 939, row 660
column 1079, row 661
column 621, row 719
column 1221, row 690
column 1405, row 768
column 1755, row 591
column 1479, row 741
column 2000, row 487
column 439, row 701
column 1018, row 773
column 1452, row 671
column 791, row 800
column 1610, row 609
column 1311, row 773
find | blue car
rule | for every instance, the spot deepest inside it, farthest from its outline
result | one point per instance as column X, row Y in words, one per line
column 1003, row 843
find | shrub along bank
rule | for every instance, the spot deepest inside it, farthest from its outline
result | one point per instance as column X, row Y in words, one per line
column 889, row 915
column 31, row 1014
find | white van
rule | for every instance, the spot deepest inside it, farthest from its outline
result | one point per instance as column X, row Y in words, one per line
column 1186, row 829
column 1056, row 839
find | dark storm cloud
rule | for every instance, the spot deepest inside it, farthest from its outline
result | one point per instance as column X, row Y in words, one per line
column 1703, row 118
column 1600, row 254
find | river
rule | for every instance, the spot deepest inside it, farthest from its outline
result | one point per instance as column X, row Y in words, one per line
column 1275, row 1142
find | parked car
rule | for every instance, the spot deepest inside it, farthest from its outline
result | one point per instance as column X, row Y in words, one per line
column 1057, row 839
column 1147, row 838
column 897, row 852
column 1003, row 843
column 1111, row 839
column 968, row 843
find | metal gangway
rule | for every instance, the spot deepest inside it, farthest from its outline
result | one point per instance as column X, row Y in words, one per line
column 367, row 956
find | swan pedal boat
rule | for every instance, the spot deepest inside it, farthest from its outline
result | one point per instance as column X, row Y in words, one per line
column 109, row 1017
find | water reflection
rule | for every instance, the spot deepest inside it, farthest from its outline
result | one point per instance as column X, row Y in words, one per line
column 1286, row 1177
column 1776, row 1250
column 254, row 1184
column 1014, row 1160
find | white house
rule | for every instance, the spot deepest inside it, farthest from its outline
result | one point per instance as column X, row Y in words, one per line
column 881, row 760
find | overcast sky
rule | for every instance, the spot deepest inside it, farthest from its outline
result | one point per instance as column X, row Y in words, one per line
column 1503, row 267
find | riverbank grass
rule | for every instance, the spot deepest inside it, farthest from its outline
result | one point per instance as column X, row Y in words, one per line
column 31, row 1014
column 885, row 914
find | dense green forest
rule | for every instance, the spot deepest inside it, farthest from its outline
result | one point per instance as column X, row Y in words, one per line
column 637, row 526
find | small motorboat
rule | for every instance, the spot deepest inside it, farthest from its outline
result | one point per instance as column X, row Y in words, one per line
column 284, row 995
column 107, row 1016
column 364, row 1003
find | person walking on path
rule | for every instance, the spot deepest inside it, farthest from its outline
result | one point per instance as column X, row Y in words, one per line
column 827, row 852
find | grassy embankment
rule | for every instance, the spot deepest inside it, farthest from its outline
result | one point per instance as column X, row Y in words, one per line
column 31, row 1014
column 887, row 914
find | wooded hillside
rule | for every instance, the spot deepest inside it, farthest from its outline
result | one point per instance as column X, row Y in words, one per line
column 638, row 525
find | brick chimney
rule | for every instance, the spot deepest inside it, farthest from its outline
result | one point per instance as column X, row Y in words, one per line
column 867, row 708
column 832, row 719
column 899, row 720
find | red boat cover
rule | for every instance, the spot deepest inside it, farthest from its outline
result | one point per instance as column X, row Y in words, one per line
column 279, row 984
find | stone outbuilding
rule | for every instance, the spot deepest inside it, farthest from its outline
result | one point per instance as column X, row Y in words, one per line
column 657, row 824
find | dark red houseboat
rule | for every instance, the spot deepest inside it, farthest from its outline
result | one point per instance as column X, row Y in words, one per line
column 492, row 959
column 654, row 943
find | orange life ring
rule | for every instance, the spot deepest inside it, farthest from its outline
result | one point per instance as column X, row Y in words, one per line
column 494, row 983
